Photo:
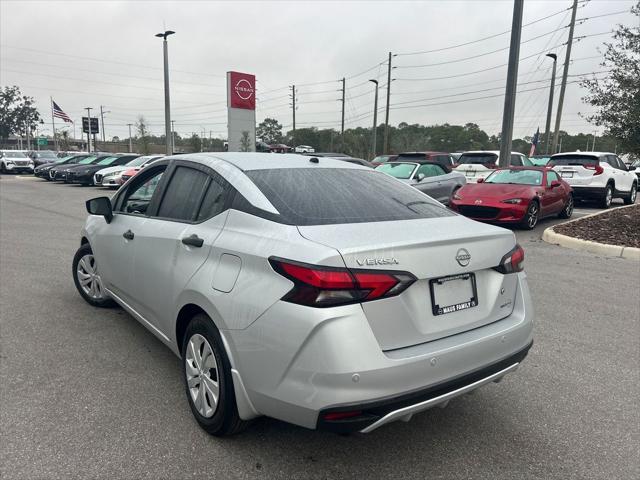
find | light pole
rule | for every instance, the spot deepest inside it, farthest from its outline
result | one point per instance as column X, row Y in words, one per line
column 167, row 111
column 551, row 89
column 88, row 109
column 375, row 120
column 102, row 112
column 130, row 144
column 173, row 136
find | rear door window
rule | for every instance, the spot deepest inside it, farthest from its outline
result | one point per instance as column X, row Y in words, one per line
column 183, row 194
column 324, row 196
column 215, row 199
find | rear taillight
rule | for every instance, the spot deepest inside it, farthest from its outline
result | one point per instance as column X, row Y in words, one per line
column 594, row 166
column 599, row 170
column 512, row 262
column 319, row 286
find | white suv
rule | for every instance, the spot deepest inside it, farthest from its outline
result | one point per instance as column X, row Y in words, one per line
column 597, row 176
column 481, row 163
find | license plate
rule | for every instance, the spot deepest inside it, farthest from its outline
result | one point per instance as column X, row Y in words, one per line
column 566, row 174
column 470, row 173
column 453, row 294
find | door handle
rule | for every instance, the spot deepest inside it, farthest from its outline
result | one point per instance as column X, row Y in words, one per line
column 193, row 241
column 128, row 235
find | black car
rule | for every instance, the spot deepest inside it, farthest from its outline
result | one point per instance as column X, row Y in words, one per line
column 83, row 174
column 42, row 157
column 59, row 173
column 43, row 170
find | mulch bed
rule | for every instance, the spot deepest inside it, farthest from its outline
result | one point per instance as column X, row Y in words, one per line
column 620, row 226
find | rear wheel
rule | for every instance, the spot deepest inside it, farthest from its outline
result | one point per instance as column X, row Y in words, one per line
column 608, row 197
column 207, row 377
column 567, row 211
column 87, row 279
column 530, row 219
column 631, row 198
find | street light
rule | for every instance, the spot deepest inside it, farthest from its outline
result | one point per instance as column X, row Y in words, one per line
column 167, row 111
column 553, row 83
column 375, row 120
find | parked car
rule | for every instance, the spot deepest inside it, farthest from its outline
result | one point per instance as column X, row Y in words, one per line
column 112, row 176
column 84, row 174
column 40, row 157
column 319, row 293
column 357, row 161
column 13, row 161
column 43, row 170
column 540, row 160
column 599, row 176
column 380, row 159
column 441, row 158
column 60, row 172
column 428, row 177
column 516, row 195
column 304, row 149
column 480, row 164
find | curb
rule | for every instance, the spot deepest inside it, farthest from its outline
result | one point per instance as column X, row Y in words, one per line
column 604, row 249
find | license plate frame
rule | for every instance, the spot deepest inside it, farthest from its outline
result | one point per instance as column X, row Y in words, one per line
column 438, row 310
column 566, row 174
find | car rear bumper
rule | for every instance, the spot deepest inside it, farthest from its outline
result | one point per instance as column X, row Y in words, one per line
column 580, row 192
column 298, row 369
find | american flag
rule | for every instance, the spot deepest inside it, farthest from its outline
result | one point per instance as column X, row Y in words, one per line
column 534, row 142
column 57, row 112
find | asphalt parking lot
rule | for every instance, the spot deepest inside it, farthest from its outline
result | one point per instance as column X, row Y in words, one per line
column 90, row 393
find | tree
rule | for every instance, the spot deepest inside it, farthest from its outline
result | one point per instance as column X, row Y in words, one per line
column 269, row 131
column 245, row 142
column 64, row 141
column 195, row 142
column 617, row 97
column 144, row 141
column 17, row 113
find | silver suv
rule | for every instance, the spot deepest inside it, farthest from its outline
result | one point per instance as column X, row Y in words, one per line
column 307, row 289
column 596, row 176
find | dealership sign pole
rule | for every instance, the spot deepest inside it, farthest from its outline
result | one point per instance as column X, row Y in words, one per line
column 241, row 112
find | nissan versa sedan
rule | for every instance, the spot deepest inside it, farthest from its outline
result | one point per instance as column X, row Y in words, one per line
column 307, row 289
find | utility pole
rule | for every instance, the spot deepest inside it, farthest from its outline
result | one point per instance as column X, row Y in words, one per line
column 565, row 72
column 167, row 109
column 375, row 121
column 293, row 104
column 344, row 80
column 130, row 143
column 102, row 123
column 88, row 109
column 512, row 83
column 28, row 128
column 173, row 136
column 385, row 147
column 547, row 143
column 593, row 146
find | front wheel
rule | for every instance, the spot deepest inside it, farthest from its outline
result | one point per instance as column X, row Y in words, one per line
column 207, row 377
column 87, row 279
column 567, row 211
column 530, row 219
column 631, row 198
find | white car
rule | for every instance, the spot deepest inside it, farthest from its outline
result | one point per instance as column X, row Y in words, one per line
column 599, row 176
column 481, row 163
column 13, row 161
column 304, row 149
column 112, row 176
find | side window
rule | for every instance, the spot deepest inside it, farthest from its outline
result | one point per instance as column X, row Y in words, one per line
column 215, row 200
column 516, row 160
column 183, row 194
column 430, row 170
column 138, row 196
column 551, row 176
column 617, row 162
column 607, row 160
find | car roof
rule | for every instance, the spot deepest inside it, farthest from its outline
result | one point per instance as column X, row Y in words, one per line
column 426, row 152
column 496, row 152
column 246, row 161
column 588, row 154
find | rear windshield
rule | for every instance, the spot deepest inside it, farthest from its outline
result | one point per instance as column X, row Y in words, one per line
column 325, row 196
column 577, row 160
column 397, row 170
column 477, row 158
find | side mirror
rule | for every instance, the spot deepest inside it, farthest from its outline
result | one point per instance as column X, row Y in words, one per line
column 420, row 177
column 480, row 180
column 100, row 206
column 555, row 183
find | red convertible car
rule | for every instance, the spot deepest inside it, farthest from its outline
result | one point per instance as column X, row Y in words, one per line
column 516, row 195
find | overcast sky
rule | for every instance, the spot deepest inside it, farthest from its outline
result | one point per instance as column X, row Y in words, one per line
column 92, row 53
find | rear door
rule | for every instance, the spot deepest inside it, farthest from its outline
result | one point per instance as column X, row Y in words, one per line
column 176, row 239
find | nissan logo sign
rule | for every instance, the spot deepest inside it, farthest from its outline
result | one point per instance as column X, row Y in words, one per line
column 463, row 257
column 244, row 89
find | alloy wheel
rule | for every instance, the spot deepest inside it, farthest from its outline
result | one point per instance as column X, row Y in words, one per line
column 568, row 209
column 608, row 197
column 633, row 194
column 532, row 215
column 89, row 278
column 202, row 375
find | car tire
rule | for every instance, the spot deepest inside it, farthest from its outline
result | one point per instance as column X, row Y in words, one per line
column 203, row 378
column 605, row 202
column 567, row 210
column 531, row 216
column 631, row 198
column 3, row 169
column 87, row 279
